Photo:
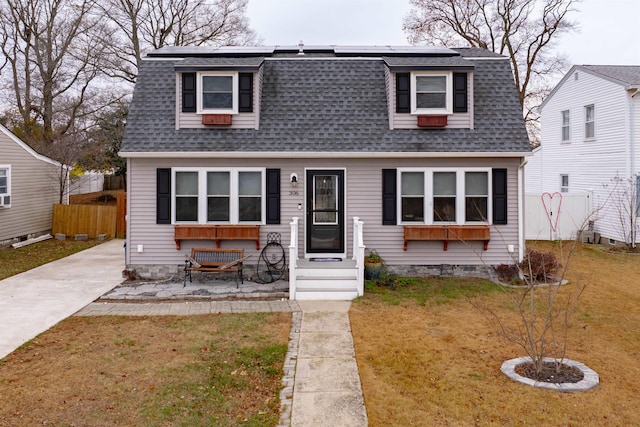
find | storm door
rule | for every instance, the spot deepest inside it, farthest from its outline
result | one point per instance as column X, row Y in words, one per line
column 325, row 212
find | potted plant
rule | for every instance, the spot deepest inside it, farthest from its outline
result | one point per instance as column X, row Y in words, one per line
column 372, row 265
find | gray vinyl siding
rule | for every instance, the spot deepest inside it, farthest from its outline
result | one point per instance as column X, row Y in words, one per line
column 363, row 199
column 410, row 121
column 238, row 121
column 34, row 191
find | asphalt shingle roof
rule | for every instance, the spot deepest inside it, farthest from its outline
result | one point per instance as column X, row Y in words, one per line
column 629, row 74
column 326, row 104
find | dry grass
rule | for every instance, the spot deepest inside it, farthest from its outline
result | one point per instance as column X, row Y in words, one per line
column 429, row 362
column 222, row 370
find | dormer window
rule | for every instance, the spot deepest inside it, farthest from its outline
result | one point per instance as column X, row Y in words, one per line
column 432, row 94
column 218, row 93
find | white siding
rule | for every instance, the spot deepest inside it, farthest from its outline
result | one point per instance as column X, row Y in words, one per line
column 590, row 163
column 363, row 199
column 34, row 191
column 410, row 121
column 238, row 121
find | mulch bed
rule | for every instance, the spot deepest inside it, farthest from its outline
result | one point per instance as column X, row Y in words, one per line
column 550, row 373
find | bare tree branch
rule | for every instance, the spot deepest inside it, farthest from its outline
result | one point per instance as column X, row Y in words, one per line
column 141, row 25
column 523, row 30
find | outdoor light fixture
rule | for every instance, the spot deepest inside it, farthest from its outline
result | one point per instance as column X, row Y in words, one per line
column 294, row 180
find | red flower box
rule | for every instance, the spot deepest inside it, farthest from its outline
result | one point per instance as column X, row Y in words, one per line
column 216, row 119
column 432, row 121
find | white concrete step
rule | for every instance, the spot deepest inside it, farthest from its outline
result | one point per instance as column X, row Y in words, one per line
column 326, row 294
column 326, row 283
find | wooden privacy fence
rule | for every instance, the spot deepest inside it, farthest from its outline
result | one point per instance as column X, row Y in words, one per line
column 91, row 220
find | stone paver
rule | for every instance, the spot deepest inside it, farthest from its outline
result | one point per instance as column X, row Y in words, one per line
column 185, row 308
column 321, row 385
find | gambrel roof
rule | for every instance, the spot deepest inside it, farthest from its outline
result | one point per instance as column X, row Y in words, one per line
column 327, row 100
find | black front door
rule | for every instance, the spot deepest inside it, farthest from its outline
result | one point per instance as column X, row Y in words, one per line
column 325, row 211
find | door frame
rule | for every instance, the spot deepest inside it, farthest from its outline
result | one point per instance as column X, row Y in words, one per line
column 342, row 205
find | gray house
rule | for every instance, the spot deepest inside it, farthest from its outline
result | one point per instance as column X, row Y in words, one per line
column 415, row 152
column 28, row 190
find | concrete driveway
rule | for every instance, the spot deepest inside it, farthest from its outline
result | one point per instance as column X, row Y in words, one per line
column 34, row 301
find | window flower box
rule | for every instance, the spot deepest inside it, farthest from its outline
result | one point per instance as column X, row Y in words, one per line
column 216, row 119
column 432, row 121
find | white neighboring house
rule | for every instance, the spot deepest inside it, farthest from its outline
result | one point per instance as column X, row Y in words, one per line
column 28, row 190
column 590, row 135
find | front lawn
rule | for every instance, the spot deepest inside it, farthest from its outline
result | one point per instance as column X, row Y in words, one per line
column 428, row 357
column 204, row 370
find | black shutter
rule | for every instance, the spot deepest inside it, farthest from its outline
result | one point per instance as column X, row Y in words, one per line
column 499, row 196
column 273, row 196
column 163, row 200
column 459, row 92
column 389, row 208
column 188, row 92
column 403, row 93
column 245, row 92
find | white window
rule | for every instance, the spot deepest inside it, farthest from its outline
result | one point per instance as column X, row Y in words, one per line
column 476, row 202
column 444, row 197
column 412, row 196
column 564, row 183
column 432, row 93
column 589, row 122
column 565, row 125
column 227, row 196
column 437, row 196
column 5, row 186
column 217, row 93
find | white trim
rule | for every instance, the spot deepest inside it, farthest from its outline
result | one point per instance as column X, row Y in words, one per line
column 233, row 194
column 428, row 195
column 448, row 108
column 26, row 148
column 6, row 168
column 200, row 75
column 568, row 126
column 317, row 154
column 584, row 116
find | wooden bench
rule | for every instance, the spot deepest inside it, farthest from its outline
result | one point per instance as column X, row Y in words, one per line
column 216, row 233
column 445, row 233
column 213, row 260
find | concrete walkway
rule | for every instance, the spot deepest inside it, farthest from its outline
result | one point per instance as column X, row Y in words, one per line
column 327, row 390
column 34, row 301
column 321, row 384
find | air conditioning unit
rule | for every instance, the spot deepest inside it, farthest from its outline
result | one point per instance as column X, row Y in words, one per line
column 5, row 201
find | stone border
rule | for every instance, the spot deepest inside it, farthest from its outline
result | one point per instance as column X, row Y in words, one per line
column 590, row 380
column 290, row 363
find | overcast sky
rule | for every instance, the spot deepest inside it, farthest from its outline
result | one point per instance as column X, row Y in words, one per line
column 609, row 28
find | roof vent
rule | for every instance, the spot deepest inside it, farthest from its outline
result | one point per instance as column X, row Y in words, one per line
column 300, row 48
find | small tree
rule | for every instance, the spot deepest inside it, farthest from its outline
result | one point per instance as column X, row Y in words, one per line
column 543, row 311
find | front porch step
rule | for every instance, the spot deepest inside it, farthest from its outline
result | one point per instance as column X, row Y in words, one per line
column 326, row 281
column 314, row 282
column 326, row 294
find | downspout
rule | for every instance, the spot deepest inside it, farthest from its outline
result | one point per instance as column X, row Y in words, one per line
column 521, row 236
column 127, row 240
column 632, row 149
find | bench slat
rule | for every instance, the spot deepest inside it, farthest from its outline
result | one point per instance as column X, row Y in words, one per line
column 215, row 260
